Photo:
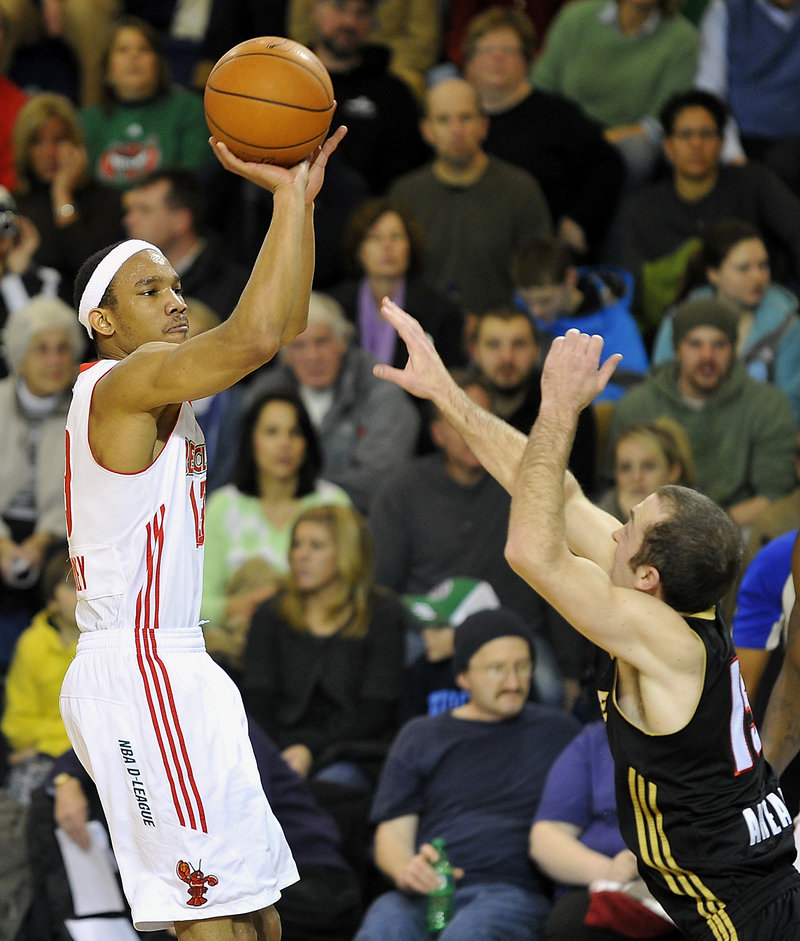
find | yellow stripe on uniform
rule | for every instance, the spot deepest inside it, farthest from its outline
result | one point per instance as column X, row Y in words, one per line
column 656, row 853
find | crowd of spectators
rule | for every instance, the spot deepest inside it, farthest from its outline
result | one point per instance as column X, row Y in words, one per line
column 511, row 171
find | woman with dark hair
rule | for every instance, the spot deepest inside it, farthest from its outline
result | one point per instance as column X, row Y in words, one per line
column 249, row 521
column 383, row 249
column 324, row 663
column 732, row 265
column 143, row 121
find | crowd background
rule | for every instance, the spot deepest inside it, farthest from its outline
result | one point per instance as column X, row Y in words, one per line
column 511, row 170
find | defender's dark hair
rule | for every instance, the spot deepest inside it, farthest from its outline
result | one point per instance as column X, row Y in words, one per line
column 697, row 551
column 246, row 476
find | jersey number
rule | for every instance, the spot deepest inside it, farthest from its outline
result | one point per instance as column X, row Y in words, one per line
column 745, row 740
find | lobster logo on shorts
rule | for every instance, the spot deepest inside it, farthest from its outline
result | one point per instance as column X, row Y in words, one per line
column 196, row 881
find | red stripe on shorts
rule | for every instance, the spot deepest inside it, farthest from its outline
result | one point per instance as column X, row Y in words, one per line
column 157, row 687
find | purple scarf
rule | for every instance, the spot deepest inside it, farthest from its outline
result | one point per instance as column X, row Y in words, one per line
column 377, row 336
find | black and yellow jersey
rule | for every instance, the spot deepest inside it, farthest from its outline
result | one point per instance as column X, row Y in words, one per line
column 700, row 807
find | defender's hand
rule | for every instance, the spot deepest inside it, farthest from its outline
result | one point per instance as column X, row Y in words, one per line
column 424, row 375
column 572, row 373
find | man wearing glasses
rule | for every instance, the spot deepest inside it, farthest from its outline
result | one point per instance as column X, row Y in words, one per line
column 473, row 777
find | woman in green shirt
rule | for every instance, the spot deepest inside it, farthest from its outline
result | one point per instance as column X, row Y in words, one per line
column 143, row 122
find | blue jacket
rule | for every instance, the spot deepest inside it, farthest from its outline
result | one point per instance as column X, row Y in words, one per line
column 759, row 620
column 771, row 352
column 613, row 322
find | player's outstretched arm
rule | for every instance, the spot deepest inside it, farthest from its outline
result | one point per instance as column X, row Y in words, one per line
column 780, row 734
column 498, row 446
column 307, row 176
column 571, row 378
column 271, row 310
column 538, row 548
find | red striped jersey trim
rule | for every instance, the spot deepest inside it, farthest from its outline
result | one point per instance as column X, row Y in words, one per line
column 68, row 482
column 158, row 689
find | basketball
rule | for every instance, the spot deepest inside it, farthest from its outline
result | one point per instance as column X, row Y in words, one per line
column 270, row 100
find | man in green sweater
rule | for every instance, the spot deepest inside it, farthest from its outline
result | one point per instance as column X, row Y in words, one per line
column 742, row 431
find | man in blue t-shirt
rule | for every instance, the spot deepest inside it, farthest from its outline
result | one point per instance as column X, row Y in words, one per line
column 472, row 777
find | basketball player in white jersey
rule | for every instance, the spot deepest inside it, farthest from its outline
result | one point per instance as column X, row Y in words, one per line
column 157, row 724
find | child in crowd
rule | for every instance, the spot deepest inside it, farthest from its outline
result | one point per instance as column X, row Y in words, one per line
column 559, row 296
column 32, row 723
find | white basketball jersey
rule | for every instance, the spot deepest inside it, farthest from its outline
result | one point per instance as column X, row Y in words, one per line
column 135, row 540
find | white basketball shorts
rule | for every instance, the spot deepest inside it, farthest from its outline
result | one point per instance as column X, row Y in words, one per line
column 162, row 731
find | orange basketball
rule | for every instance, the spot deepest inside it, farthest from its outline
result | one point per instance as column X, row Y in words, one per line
column 270, row 100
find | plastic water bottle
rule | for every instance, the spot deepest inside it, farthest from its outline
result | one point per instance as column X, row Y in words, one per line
column 440, row 900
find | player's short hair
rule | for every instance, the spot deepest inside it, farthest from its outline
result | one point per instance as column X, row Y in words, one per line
column 693, row 98
column 697, row 550
column 85, row 272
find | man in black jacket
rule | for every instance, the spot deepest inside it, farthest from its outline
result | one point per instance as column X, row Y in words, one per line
column 383, row 139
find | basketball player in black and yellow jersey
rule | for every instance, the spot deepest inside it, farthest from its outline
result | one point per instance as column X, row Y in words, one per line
column 698, row 804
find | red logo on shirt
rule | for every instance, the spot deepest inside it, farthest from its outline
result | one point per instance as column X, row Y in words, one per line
column 195, row 458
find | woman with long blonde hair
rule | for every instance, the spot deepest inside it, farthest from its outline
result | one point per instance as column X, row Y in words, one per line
column 324, row 663
column 648, row 456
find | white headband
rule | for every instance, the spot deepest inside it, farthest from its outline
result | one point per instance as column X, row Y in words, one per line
column 103, row 275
